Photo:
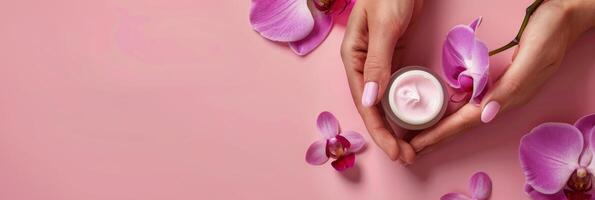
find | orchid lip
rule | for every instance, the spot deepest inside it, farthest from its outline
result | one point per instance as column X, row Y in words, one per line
column 580, row 180
column 334, row 7
column 337, row 146
column 323, row 5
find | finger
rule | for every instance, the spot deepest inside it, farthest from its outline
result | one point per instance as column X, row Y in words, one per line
column 505, row 93
column 353, row 52
column 383, row 35
column 464, row 118
column 379, row 132
column 371, row 116
column 407, row 154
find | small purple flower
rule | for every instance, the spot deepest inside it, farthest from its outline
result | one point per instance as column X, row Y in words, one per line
column 557, row 160
column 465, row 61
column 335, row 144
column 302, row 23
column 480, row 186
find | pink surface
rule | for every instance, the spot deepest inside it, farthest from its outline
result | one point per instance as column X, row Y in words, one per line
column 182, row 100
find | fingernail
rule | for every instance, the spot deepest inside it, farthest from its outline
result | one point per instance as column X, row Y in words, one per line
column 370, row 93
column 490, row 111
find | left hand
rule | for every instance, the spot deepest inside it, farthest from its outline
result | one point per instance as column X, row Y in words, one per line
column 554, row 26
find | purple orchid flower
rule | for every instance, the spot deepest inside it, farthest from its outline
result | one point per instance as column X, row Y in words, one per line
column 302, row 23
column 465, row 61
column 557, row 160
column 480, row 186
column 335, row 144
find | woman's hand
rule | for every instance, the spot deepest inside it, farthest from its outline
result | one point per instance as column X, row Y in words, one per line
column 368, row 50
column 551, row 30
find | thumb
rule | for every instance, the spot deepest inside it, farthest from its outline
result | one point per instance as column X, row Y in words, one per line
column 377, row 67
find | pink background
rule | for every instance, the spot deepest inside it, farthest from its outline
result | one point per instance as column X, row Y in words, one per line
column 182, row 100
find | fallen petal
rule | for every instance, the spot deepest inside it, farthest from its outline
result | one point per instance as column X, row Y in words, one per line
column 356, row 140
column 549, row 154
column 316, row 154
column 322, row 26
column 327, row 125
column 480, row 186
column 344, row 162
column 454, row 196
column 284, row 21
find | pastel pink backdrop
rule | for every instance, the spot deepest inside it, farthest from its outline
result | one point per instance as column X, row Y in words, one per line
column 182, row 100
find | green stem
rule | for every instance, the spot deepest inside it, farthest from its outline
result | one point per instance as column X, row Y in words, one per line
column 530, row 10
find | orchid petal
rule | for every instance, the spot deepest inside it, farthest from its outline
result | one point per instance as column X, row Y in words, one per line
column 454, row 196
column 549, row 154
column 464, row 56
column 316, row 154
column 461, row 41
column 475, row 24
column 284, row 21
column 344, row 162
column 322, row 26
column 480, row 59
column 466, row 82
column 480, row 186
column 588, row 154
column 536, row 195
column 480, row 81
column 477, row 69
column 356, row 140
column 457, row 48
column 586, row 158
column 327, row 125
column 452, row 66
column 586, row 124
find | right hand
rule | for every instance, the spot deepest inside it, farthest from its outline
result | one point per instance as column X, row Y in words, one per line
column 368, row 53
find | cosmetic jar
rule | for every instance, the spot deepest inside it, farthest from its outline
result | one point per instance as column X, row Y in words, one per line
column 415, row 98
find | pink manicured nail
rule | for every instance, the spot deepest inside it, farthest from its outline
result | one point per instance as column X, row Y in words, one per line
column 490, row 111
column 370, row 93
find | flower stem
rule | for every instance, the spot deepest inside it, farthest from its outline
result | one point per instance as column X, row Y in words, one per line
column 530, row 10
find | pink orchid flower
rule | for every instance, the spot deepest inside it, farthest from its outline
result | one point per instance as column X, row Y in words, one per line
column 465, row 61
column 302, row 23
column 557, row 160
column 335, row 144
column 480, row 186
